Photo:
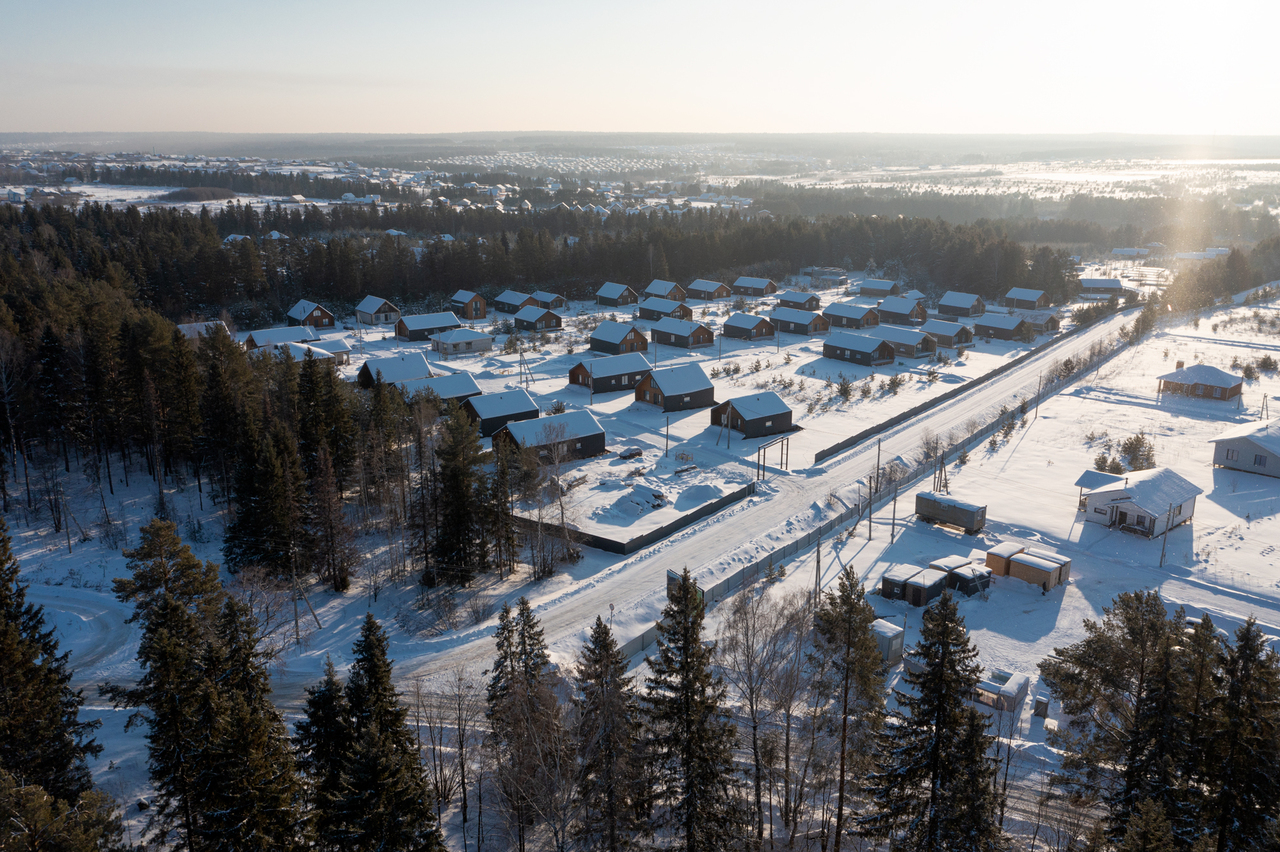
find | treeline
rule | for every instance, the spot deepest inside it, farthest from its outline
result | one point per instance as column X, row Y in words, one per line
column 245, row 183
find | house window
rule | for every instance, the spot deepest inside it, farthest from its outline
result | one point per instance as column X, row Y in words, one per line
column 1217, row 393
column 316, row 312
column 467, row 345
column 613, row 381
column 686, row 399
column 1259, row 460
column 1233, row 455
column 579, row 445
column 1177, row 513
column 768, row 422
column 1098, row 511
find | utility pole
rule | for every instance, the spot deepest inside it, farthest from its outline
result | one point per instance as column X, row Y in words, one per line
column 893, row 529
column 666, row 448
column 1039, row 387
column 817, row 573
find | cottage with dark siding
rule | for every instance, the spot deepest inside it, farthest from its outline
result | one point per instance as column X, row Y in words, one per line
column 678, row 388
column 510, row 302
column 747, row 327
column 753, row 287
column 578, row 434
column 1251, row 447
column 686, row 334
column 849, row 315
column 1003, row 327
column 860, row 349
column 899, row 310
column 1024, row 299
column 708, row 290
column 405, row 367
column 495, row 410
column 906, row 342
column 957, row 304
column 550, row 301
column 950, row 335
column 659, row 289
column 614, row 373
column 455, row 386
column 1201, row 381
column 1102, row 287
column 799, row 301
column 615, row 295
column 656, row 309
column 616, row 338
column 1041, row 321
column 468, row 305
column 878, row 288
column 419, row 327
column 535, row 318
column 754, row 416
column 800, row 322
column 310, row 313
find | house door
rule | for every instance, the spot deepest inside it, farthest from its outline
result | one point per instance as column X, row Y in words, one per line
column 1123, row 519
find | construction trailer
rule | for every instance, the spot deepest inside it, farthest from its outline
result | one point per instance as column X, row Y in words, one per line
column 926, row 587
column 942, row 509
column 893, row 585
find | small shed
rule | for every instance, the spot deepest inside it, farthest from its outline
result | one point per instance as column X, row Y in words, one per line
column 858, row 349
column 615, row 373
column 899, row 310
column 375, row 311
column 456, row 387
column 337, row 347
column 418, row 327
column 617, row 338
column 906, row 342
column 659, row 289
column 708, row 290
column 1024, row 299
column 957, row 304
column 747, row 327
column 950, row 563
column 753, row 287
column 925, row 587
column 461, row 341
column 468, row 305
column 799, row 301
column 950, row 335
column 849, row 315
column 878, row 288
column 1002, row 690
column 889, row 639
column 656, row 309
column 679, row 388
column 1252, row 447
column 1063, row 562
column 615, row 295
column 797, row 321
column 754, row 416
column 510, row 301
column 1201, row 381
column 550, row 301
column 1035, row 570
column 1003, row 327
column 494, row 410
column 969, row 579
column 577, row 433
column 893, row 585
column 686, row 334
column 310, row 313
column 998, row 557
column 536, row 318
column 405, row 367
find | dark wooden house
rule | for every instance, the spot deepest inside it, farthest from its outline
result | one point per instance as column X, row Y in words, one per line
column 535, row 318
column 799, row 301
column 614, row 373
column 686, row 334
column 848, row 315
column 708, row 290
column 906, row 342
column 510, row 302
column 375, row 311
column 615, row 338
column 754, row 416
column 659, row 289
column 1030, row 300
column 575, row 434
column 859, row 349
column 753, row 287
column 899, row 310
column 423, row 326
column 878, row 288
column 1003, row 327
column 615, row 295
column 455, row 386
column 796, row 321
column 310, row 313
column 949, row 335
column 678, row 388
column 468, row 305
column 957, row 304
column 492, row 411
column 747, row 327
column 1201, row 381
column 656, row 309
column 550, row 301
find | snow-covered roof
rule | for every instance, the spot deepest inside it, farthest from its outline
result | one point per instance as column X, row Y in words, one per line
column 1007, row 322
column 938, row 327
column 928, row 578
column 795, row 296
column 535, row 432
column 896, row 334
column 702, row 285
column 767, row 404
column 463, row 296
column 658, row 287
column 679, row 327
column 1265, row 434
column 445, row 387
column 287, row 334
column 334, row 345
column 611, row 332
column 794, row 315
column 497, row 404
column 617, row 365
column 193, row 330
column 512, row 297
column 1092, row 479
column 847, row 309
column 749, row 283
column 610, row 290
column 956, row 299
column 878, row 285
column 1022, row 293
column 532, row 313
column 371, row 304
column 461, row 335
column 404, row 367
column 682, row 379
column 901, row 573
column 1006, row 549
column 544, row 296
column 855, row 342
column 299, row 351
column 1102, row 283
column 662, row 306
column 898, row 305
column 950, row 563
column 741, row 320
column 1152, row 490
column 885, row 628
column 302, row 310
column 1202, row 374
column 441, row 319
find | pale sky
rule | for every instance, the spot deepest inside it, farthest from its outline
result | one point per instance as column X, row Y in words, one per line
column 664, row 65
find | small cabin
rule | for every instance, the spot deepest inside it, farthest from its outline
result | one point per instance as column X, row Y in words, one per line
column 858, row 349
column 1252, row 448
column 708, row 290
column 1027, row 300
column 550, row 301
column 510, row 302
column 754, row 287
column 405, row 367
column 268, row 337
column 679, row 388
column 375, row 311
column 617, row 338
column 558, row 437
column 492, row 411
column 1003, row 327
column 615, row 295
column 1146, row 502
column 878, row 288
column 754, row 416
column 536, row 318
column 899, row 310
column 1202, row 382
column 418, row 327
column 906, row 342
column 615, row 373
column 461, row 341
column 957, row 304
column 455, row 386
column 848, row 315
column 656, row 309
column 659, row 289
column 800, row 322
column 470, row 306
column 747, row 327
column 310, row 313
column 799, row 301
column 951, row 335
column 686, row 334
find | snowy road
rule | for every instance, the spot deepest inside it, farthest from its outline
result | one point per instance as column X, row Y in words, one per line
column 788, row 507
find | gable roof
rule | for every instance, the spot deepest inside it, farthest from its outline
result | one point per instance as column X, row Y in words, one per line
column 1022, row 293
column 681, row 379
column 371, row 304
column 395, row 369
column 956, row 299
column 1151, row 490
column 533, row 433
column 334, row 345
column 937, row 327
column 302, row 310
column 463, row 296
column 529, row 313
column 286, row 334
column 898, row 305
column 765, row 404
column 193, row 330
column 896, row 334
column 616, row 365
column 879, row 284
column 512, row 297
column 417, row 322
column 662, row 306
column 676, row 326
column 1265, row 434
column 795, row 296
column 544, row 296
column 1102, row 283
column 459, row 335
column 795, row 315
column 446, row 387
column 610, row 290
column 749, row 283
column 702, row 285
column 658, row 287
column 744, row 320
column 497, row 404
column 1202, row 374
column 612, row 332
column 1007, row 322
column 1092, row 479
column 855, row 341
column 848, row 309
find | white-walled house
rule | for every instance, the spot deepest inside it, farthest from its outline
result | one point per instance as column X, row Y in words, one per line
column 1148, row 502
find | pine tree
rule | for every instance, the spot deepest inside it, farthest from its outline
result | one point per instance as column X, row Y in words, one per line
column 42, row 740
column 35, row 820
column 458, row 547
column 690, row 736
column 323, row 740
column 329, row 539
column 607, row 739
column 1148, row 830
column 846, row 645
column 937, row 749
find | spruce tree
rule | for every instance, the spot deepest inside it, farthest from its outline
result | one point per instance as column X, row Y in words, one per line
column 606, row 741
column 459, row 549
column 1148, row 830
column 690, row 736
column 323, row 740
column 34, row 820
column 847, row 647
column 328, row 538
column 42, row 740
column 936, row 751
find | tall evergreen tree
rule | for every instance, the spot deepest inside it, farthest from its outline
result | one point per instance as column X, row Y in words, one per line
column 34, row 820
column 937, row 750
column 460, row 550
column 1148, row 830
column 323, row 740
column 690, row 736
column 329, row 539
